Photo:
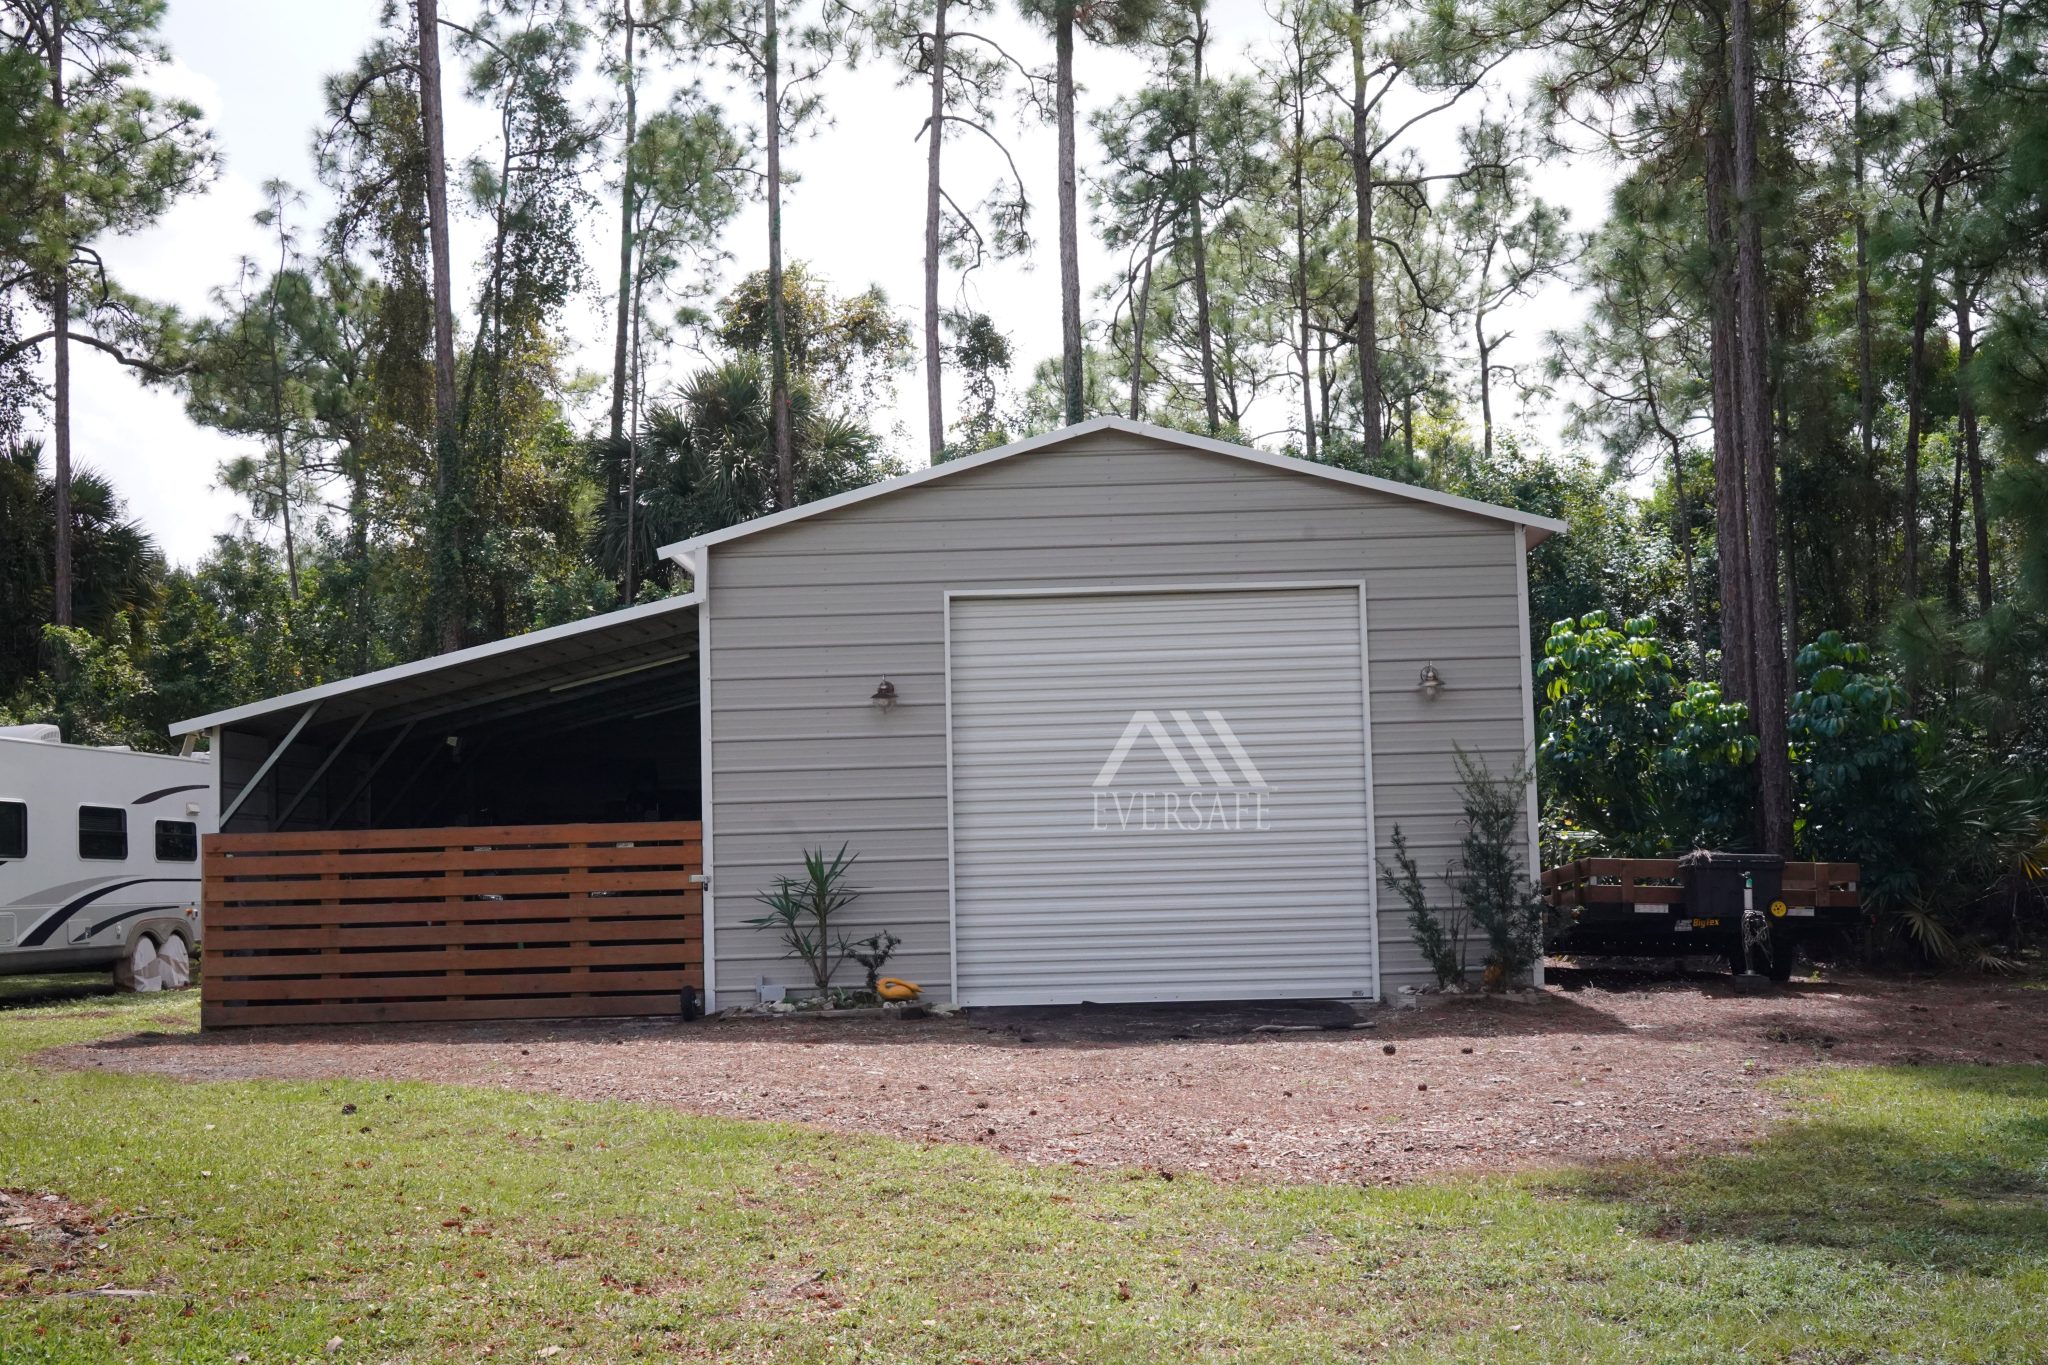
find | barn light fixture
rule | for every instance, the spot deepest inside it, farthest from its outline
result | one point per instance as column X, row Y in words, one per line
column 885, row 695
column 1432, row 682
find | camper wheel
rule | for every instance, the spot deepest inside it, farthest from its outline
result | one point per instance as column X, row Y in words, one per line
column 174, row 963
column 140, row 970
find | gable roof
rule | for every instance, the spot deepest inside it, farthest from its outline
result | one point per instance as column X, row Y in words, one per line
column 1535, row 528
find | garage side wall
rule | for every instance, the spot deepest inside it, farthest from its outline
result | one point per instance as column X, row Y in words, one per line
column 809, row 617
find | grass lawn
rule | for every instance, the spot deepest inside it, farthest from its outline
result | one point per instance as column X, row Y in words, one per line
column 45, row 987
column 1904, row 1219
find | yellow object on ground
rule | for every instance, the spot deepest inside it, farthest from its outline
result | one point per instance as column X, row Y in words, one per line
column 894, row 988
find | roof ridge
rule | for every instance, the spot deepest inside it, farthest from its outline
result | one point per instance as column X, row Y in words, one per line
column 1537, row 526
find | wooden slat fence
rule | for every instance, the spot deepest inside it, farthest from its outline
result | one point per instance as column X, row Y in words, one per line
column 509, row 922
column 1658, row 881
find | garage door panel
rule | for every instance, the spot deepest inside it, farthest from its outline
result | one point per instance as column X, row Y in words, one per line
column 1160, row 796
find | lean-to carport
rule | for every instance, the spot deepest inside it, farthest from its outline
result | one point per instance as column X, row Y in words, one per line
column 511, row 830
column 595, row 720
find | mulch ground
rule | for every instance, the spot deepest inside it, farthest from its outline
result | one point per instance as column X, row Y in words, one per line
column 1595, row 1067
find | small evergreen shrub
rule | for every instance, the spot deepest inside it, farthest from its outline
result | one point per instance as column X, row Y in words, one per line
column 1441, row 935
column 1504, row 904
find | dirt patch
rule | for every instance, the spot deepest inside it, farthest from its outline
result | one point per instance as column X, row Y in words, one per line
column 1595, row 1067
column 42, row 1232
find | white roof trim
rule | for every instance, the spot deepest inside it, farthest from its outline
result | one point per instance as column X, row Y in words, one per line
column 434, row 663
column 1535, row 528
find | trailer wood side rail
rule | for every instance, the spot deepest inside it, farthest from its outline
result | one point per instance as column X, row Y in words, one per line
column 1657, row 882
column 511, row 922
column 1614, row 881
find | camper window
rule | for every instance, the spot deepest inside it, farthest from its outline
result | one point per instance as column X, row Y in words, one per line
column 177, row 841
column 13, row 829
column 102, row 832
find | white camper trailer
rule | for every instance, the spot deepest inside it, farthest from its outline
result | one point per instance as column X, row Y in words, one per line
column 99, row 857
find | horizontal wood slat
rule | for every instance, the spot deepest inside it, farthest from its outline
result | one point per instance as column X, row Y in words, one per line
column 397, row 926
column 1659, row 881
column 433, row 862
column 1614, row 881
column 424, row 1011
column 1825, row 885
column 468, row 837
column 480, row 911
column 371, row 937
column 522, row 957
column 357, row 886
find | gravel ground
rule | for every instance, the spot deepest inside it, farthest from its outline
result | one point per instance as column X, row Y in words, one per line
column 1597, row 1066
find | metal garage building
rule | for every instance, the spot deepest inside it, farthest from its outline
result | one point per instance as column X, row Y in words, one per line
column 1115, row 713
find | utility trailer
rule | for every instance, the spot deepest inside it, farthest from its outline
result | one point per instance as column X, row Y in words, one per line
column 1697, row 906
column 99, row 858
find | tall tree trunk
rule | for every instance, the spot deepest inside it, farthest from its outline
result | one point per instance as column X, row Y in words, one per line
column 1299, row 169
column 632, row 555
column 1369, row 400
column 277, row 429
column 448, row 554
column 1952, row 574
column 1681, row 511
column 1141, row 310
column 1071, row 377
column 1753, row 394
column 1326, row 385
column 359, row 552
column 628, row 210
column 1788, row 659
column 1485, row 382
column 1731, row 536
column 1866, row 368
column 60, row 343
column 778, row 321
column 491, row 316
column 1681, row 508
column 1196, row 230
column 1973, row 445
column 1485, row 273
column 934, row 360
column 1408, row 435
column 1916, row 387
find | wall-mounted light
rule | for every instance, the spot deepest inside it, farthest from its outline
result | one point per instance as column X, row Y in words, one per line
column 1432, row 682
column 885, row 695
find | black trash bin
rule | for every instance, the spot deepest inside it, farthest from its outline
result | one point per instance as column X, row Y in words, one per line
column 1720, row 887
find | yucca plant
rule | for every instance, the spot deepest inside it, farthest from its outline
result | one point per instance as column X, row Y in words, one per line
column 802, row 908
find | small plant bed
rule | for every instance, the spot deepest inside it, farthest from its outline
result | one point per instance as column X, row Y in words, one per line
column 839, row 1004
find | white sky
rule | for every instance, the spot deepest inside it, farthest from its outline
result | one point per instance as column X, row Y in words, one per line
column 855, row 214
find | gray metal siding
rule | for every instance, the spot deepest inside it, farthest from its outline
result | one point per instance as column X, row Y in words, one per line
column 806, row 618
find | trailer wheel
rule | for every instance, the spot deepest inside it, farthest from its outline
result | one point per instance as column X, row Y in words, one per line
column 174, row 964
column 1783, row 950
column 140, row 970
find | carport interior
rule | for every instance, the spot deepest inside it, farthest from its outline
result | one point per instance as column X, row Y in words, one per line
column 598, row 722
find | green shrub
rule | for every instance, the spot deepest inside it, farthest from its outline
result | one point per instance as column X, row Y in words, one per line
column 1855, row 762
column 1504, row 904
column 1633, row 762
column 1441, row 935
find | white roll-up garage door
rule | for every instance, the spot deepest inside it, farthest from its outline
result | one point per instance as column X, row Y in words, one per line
column 1160, row 796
